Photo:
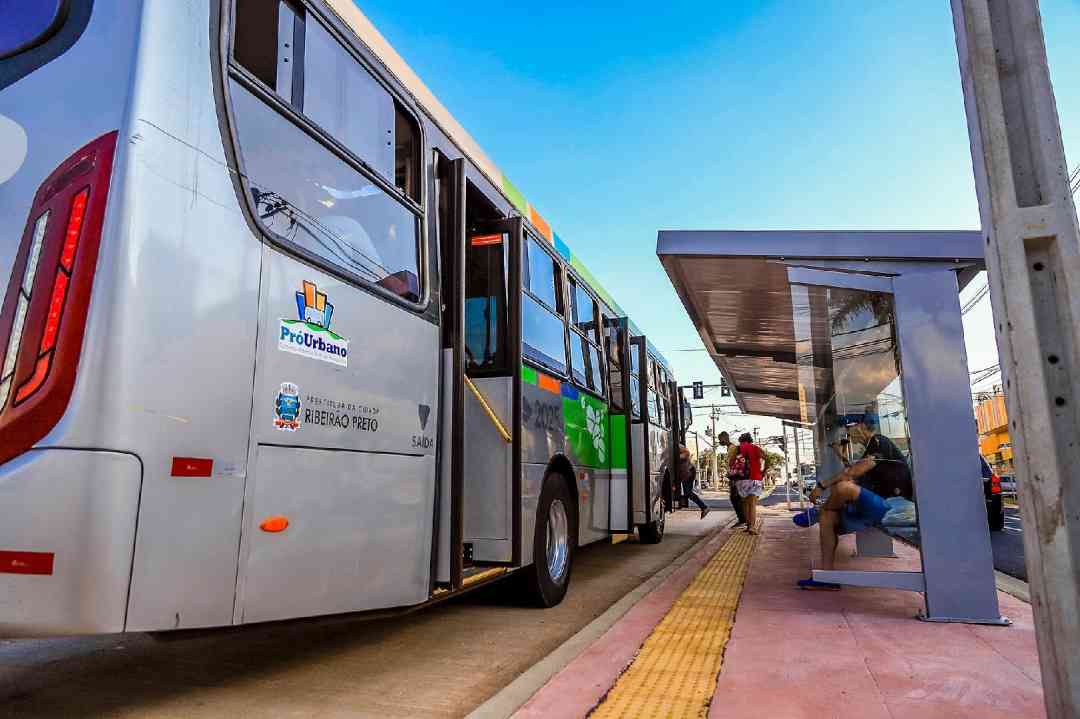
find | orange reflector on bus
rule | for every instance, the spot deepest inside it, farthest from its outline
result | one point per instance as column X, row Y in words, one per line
column 549, row 383
column 484, row 240
column 274, row 524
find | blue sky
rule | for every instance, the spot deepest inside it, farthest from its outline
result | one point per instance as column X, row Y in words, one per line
column 619, row 119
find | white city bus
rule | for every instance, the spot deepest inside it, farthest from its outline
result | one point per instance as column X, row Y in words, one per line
column 279, row 340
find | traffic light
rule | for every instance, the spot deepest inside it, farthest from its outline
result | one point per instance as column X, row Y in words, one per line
column 699, row 390
column 725, row 391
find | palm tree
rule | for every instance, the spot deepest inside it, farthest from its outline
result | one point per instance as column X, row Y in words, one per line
column 878, row 304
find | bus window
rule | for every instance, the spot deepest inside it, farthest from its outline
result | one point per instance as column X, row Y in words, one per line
column 584, row 311
column 310, row 198
column 635, row 381
column 407, row 149
column 541, row 276
column 346, row 101
column 585, row 338
column 595, row 380
column 542, row 335
column 264, row 42
column 614, row 358
column 485, row 307
column 578, row 371
column 330, row 86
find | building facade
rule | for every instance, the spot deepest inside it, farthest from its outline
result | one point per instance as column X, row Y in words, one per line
column 993, row 422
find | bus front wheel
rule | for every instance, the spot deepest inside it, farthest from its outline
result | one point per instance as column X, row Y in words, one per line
column 554, row 542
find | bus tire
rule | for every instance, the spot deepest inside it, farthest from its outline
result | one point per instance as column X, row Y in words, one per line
column 653, row 532
column 554, row 542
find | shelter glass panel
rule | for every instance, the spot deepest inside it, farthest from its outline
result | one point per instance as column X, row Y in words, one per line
column 867, row 398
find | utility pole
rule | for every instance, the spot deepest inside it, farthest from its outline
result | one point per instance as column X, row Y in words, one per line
column 798, row 467
column 787, row 466
column 712, row 466
column 1033, row 258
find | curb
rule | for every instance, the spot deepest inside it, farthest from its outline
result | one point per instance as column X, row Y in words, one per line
column 1012, row 586
column 518, row 692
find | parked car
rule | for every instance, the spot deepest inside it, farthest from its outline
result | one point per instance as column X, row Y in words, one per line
column 1008, row 484
column 995, row 510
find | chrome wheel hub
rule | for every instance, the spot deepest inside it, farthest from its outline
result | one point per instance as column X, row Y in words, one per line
column 558, row 541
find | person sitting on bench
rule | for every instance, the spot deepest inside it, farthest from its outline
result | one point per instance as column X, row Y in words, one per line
column 857, row 494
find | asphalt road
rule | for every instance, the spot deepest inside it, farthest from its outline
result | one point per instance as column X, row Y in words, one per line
column 438, row 662
column 1008, row 546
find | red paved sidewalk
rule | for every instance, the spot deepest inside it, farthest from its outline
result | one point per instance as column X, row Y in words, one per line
column 860, row 653
column 856, row 653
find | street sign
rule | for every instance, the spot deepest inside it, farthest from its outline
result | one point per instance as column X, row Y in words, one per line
column 699, row 390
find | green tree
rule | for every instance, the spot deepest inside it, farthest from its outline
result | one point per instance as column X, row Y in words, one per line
column 773, row 461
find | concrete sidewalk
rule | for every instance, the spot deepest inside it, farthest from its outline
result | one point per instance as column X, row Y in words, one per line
column 856, row 653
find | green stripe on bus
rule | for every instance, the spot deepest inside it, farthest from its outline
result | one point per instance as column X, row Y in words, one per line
column 592, row 282
column 515, row 196
column 618, row 441
column 528, row 374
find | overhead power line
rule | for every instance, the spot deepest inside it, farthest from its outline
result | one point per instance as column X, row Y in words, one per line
column 975, row 299
column 985, row 374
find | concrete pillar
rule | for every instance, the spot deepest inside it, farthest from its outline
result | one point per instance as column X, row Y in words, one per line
column 1033, row 258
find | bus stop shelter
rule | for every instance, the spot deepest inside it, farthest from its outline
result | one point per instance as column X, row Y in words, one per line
column 822, row 327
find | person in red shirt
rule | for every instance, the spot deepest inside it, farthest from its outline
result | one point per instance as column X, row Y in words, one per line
column 745, row 472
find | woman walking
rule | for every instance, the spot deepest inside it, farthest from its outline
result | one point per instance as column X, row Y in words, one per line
column 687, row 473
column 745, row 472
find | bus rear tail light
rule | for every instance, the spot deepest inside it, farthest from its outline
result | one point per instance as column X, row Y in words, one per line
column 995, row 484
column 43, row 316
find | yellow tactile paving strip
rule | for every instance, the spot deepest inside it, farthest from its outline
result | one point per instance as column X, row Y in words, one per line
column 674, row 674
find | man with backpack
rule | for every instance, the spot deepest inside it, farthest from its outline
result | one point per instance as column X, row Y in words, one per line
column 730, row 450
column 745, row 474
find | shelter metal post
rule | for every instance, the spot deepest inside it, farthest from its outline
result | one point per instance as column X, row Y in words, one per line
column 1033, row 257
column 958, row 565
